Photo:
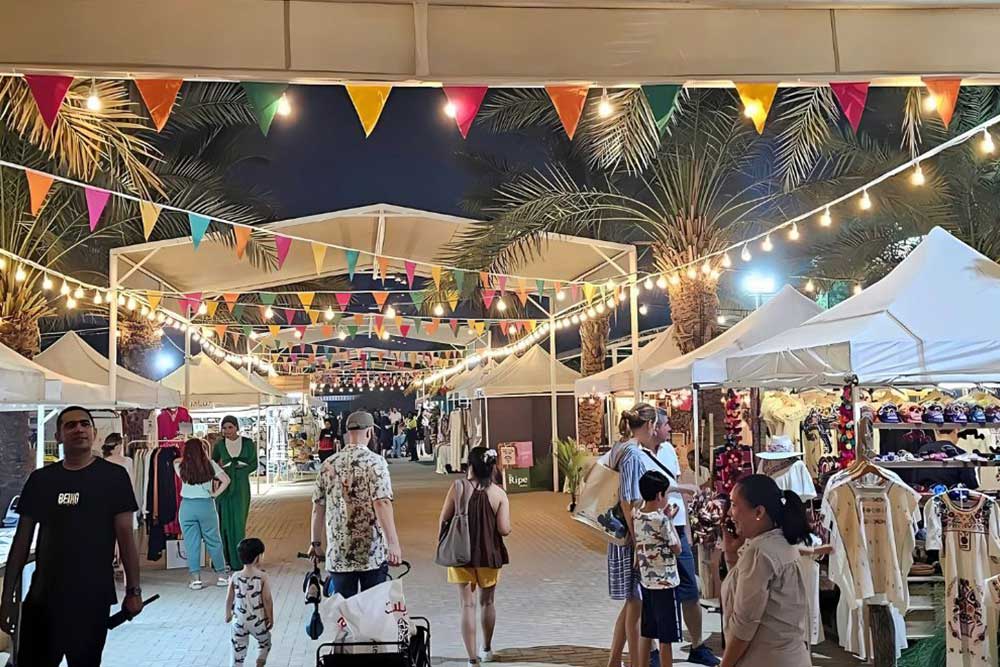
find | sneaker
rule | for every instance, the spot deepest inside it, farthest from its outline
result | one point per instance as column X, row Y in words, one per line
column 654, row 658
column 485, row 656
column 196, row 585
column 702, row 655
column 222, row 582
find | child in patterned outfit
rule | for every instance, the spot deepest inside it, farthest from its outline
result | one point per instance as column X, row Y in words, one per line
column 249, row 605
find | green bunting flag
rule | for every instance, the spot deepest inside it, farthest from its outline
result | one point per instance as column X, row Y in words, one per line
column 264, row 98
column 237, row 310
column 267, row 298
column 540, row 287
column 661, row 101
column 417, row 323
column 352, row 330
column 459, row 279
column 418, row 299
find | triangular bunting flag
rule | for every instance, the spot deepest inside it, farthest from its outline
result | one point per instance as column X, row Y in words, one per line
column 230, row 298
column 246, row 329
column 220, row 331
column 453, row 323
column 282, row 244
column 212, row 306
column 302, row 331
column 416, row 325
column 319, row 255
column 274, row 329
column 417, row 298
column 411, row 269
column 343, row 299
column 236, row 311
column 945, row 92
column 313, row 315
column 264, row 98
column 306, row 298
column 352, row 330
column 574, row 291
column 502, row 284
column 289, row 315
column 96, row 201
column 267, row 298
column 242, row 235
column 488, row 296
column 757, row 99
column 190, row 302
column 459, row 279
column 436, row 275
column 159, row 96
column 480, row 328
column 359, row 319
column 522, row 295
column 49, row 91
column 588, row 291
column 150, row 213
column 38, row 186
column 484, row 279
column 368, row 102
column 661, row 100
column 154, row 298
column 383, row 266
column 327, row 331
column 432, row 327
column 851, row 97
column 540, row 287
column 380, row 298
column 199, row 225
column 352, row 262
column 568, row 101
column 463, row 105
column 453, row 300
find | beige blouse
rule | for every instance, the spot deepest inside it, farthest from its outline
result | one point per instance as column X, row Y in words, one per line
column 764, row 602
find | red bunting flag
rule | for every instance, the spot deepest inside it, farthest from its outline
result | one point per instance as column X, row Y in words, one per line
column 851, row 97
column 302, row 330
column 39, row 185
column 502, row 284
column 404, row 330
column 488, row 296
column 159, row 96
column 453, row 323
column 49, row 92
column 568, row 101
column 289, row 315
column 190, row 302
column 463, row 105
column 343, row 299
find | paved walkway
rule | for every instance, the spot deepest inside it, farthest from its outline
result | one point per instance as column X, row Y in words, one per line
column 552, row 602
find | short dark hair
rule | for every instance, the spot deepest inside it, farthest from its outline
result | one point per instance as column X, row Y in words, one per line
column 72, row 408
column 249, row 549
column 110, row 442
column 653, row 483
column 229, row 419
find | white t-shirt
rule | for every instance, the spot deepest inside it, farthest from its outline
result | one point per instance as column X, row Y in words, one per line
column 667, row 455
column 654, row 535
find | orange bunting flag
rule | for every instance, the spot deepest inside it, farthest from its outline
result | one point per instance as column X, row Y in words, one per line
column 220, row 331
column 38, row 186
column 154, row 298
column 359, row 319
column 944, row 95
column 230, row 298
column 159, row 96
column 433, row 326
column 368, row 101
column 436, row 275
column 319, row 255
column 522, row 294
column 306, row 298
column 380, row 298
column 150, row 214
column 212, row 307
column 327, row 331
column 383, row 266
column 242, row 235
column 274, row 329
column 568, row 101
column 757, row 99
column 484, row 279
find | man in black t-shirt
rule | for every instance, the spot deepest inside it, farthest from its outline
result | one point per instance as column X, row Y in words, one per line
column 81, row 505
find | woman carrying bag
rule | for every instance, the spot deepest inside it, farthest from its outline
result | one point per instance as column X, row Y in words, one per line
column 487, row 519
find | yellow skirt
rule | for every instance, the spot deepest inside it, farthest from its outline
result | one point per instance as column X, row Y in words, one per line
column 483, row 577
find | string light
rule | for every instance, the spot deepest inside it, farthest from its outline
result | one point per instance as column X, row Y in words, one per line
column 390, row 312
column 605, row 108
column 71, row 303
column 269, row 313
column 329, row 315
column 97, row 298
column 20, row 275
column 745, row 253
column 560, row 295
column 720, row 320
column 501, row 304
column 865, row 203
column 857, row 288
column 203, row 309
column 648, row 283
column 450, row 110
column 706, row 267
column 93, row 100
column 643, row 310
column 767, row 246
column 284, row 106
column 726, row 261
column 46, row 283
column 793, row 233
column 826, row 219
column 675, row 279
column 930, row 103
column 78, row 293
column 917, row 177
column 661, row 282
column 691, row 273
column 64, row 290
column 438, row 310
column 986, row 144
column 753, row 108
column 810, row 286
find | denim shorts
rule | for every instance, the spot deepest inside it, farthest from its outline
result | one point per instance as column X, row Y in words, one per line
column 688, row 588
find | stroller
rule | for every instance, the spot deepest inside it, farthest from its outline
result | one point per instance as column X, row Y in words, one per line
column 411, row 646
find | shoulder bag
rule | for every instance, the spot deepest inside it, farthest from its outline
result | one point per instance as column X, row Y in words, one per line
column 455, row 544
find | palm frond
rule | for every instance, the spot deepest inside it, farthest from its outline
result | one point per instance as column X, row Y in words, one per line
column 628, row 139
column 512, row 109
column 805, row 116
column 912, row 122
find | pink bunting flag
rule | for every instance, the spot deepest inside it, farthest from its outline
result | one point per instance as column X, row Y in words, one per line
column 343, row 299
column 289, row 315
column 851, row 97
column 96, row 201
column 411, row 269
column 463, row 105
column 502, row 283
column 49, row 92
column 190, row 302
column 283, row 245
column 488, row 296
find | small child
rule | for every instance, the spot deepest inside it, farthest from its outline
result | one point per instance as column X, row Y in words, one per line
column 656, row 548
column 249, row 604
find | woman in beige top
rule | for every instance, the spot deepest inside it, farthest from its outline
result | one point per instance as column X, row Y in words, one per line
column 764, row 601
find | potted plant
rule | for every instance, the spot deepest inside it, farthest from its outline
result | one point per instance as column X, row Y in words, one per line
column 572, row 461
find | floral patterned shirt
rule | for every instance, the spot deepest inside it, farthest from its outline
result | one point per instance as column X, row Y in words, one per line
column 348, row 485
column 654, row 535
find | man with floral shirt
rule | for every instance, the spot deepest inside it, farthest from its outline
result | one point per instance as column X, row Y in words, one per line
column 353, row 502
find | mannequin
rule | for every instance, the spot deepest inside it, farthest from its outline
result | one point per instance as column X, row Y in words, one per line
column 238, row 457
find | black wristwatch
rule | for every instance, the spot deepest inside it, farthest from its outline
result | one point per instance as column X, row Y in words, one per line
column 315, row 544
column 133, row 591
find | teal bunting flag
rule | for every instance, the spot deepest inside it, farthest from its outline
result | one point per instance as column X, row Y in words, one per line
column 199, row 225
column 459, row 279
column 352, row 262
column 267, row 298
column 417, row 297
column 264, row 98
column 662, row 100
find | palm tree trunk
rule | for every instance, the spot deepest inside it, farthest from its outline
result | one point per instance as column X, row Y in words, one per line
column 137, row 340
column 593, row 350
column 17, row 455
column 694, row 307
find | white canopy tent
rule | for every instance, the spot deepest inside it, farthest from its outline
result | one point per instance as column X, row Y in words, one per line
column 707, row 364
column 529, row 375
column 620, row 377
column 928, row 321
column 212, row 386
column 73, row 357
column 269, row 395
column 25, row 383
column 466, row 382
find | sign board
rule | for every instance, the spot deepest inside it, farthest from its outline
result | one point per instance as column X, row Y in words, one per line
column 508, row 455
column 518, row 479
column 524, row 456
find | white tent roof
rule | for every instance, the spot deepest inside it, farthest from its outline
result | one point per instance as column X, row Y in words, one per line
column 213, row 386
column 528, row 376
column 479, row 376
column 26, row 382
column 618, row 378
column 707, row 365
column 269, row 393
column 930, row 320
column 73, row 357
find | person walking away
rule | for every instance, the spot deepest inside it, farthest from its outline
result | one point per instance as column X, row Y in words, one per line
column 81, row 506
column 327, row 440
column 202, row 480
column 686, row 592
column 489, row 523
column 764, row 601
column 636, row 427
column 249, row 606
column 657, row 546
column 238, row 457
column 352, row 505
column 411, row 436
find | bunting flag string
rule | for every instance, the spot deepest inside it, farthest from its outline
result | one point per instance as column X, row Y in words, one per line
column 568, row 101
column 159, row 96
column 49, row 91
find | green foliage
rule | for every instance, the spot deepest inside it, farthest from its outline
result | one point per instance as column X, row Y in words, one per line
column 926, row 652
column 571, row 459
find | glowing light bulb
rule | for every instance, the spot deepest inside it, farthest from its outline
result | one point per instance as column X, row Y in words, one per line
column 97, row 298
column 78, row 293
column 810, row 286
column 857, row 288
column 643, row 310
column 726, row 261
column 501, row 305
column 605, row 108
column 298, row 334
column 64, row 290
column 675, row 279
column 46, row 283
column 342, row 335
column 753, row 108
column 706, row 268
column 121, row 299
column 20, row 275
column 793, row 233
column 284, row 106
column 691, row 273
column 591, row 312
column 130, row 304
column 93, row 100
column 917, row 177
column 745, row 253
column 865, row 203
column 390, row 311
column 203, row 309
column 930, row 103
column 714, row 275
column 826, row 219
column 512, row 330
column 720, row 320
column 986, row 144
column 144, row 310
column 450, row 110
column 439, row 310
column 328, row 314
column 767, row 246
column 71, row 303
column 3, row 263
column 647, row 283
column 560, row 295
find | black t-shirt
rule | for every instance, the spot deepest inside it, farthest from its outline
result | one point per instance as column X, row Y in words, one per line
column 75, row 511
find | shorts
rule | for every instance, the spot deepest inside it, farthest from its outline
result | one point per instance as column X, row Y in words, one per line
column 688, row 588
column 52, row 629
column 483, row 577
column 661, row 615
column 623, row 575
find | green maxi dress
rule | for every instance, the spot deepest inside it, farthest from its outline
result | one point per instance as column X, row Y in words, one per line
column 234, row 503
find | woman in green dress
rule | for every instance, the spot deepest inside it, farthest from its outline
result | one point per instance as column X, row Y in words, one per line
column 238, row 457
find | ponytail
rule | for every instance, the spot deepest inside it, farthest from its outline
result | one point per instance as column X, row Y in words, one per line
column 634, row 419
column 785, row 508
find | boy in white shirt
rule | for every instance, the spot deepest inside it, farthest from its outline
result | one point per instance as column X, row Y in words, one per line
column 656, row 546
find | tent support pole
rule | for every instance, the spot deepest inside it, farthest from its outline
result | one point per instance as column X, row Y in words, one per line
column 554, row 402
column 255, row 444
column 696, row 433
column 187, row 368
column 633, row 313
column 113, row 331
column 40, row 437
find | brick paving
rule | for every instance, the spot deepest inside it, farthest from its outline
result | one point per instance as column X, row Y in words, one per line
column 552, row 603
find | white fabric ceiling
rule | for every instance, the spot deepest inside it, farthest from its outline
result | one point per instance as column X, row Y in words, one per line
column 26, row 382
column 930, row 320
column 529, row 376
column 73, row 357
column 707, row 364
column 618, row 378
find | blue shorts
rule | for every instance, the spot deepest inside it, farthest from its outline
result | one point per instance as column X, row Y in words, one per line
column 661, row 615
column 688, row 588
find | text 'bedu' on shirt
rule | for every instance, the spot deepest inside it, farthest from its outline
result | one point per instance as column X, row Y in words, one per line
column 75, row 512
column 654, row 535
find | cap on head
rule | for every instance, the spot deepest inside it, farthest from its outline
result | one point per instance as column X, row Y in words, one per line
column 360, row 420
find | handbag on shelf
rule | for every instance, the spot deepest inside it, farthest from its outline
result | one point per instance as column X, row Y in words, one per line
column 455, row 544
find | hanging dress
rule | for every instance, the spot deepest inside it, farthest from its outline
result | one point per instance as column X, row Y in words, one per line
column 234, row 503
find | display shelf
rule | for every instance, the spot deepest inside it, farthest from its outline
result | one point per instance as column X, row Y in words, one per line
column 906, row 426
column 947, row 463
column 928, row 579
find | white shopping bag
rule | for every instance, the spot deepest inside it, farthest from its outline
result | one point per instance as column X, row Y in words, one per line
column 378, row 614
column 177, row 555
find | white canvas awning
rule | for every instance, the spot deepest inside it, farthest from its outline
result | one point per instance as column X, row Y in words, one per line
column 73, row 357
column 707, row 364
column 529, row 375
column 269, row 394
column 930, row 320
column 28, row 383
column 480, row 375
column 619, row 377
column 213, row 386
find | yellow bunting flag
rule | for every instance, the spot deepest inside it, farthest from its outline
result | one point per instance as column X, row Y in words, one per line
column 398, row 320
column 230, row 298
column 150, row 214
column 568, row 101
column 588, row 291
column 38, row 186
column 242, row 238
column 453, row 300
column 436, row 275
column 480, row 328
column 313, row 315
column 368, row 102
column 274, row 329
column 212, row 306
column 944, row 94
column 154, row 298
column 306, row 298
column 319, row 255
column 757, row 99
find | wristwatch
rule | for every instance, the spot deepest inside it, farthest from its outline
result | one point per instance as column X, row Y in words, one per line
column 315, row 544
column 133, row 591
